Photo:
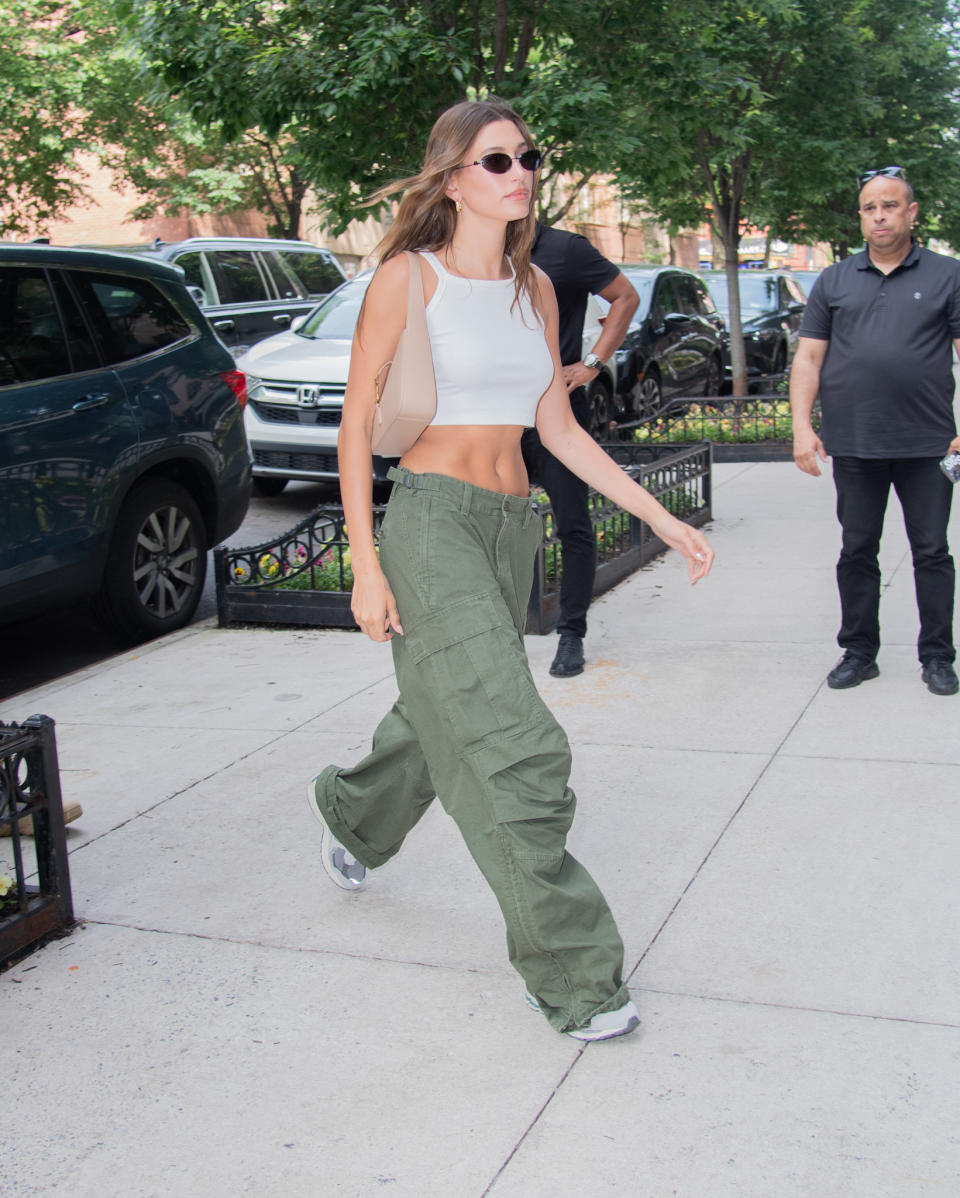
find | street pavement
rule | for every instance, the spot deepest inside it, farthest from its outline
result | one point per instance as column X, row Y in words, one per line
column 782, row 860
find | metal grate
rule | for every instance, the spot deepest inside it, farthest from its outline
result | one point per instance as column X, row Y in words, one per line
column 30, row 788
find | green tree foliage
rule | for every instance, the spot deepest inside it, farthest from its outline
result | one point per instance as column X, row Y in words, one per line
column 41, row 129
column 878, row 86
column 357, row 86
column 762, row 112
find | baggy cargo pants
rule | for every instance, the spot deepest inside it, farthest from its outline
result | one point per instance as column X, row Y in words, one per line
column 470, row 728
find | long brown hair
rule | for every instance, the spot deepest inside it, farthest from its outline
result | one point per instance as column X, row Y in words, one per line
column 426, row 218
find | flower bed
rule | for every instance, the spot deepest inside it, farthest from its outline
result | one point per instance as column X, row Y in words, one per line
column 304, row 577
column 753, row 428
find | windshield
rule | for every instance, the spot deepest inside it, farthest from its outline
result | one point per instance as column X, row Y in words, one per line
column 758, row 294
column 336, row 317
column 643, row 283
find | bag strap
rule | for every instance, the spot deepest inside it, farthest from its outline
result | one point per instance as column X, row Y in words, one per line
column 416, row 304
column 416, row 322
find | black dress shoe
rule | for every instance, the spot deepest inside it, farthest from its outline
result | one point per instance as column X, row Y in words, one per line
column 940, row 677
column 569, row 659
column 851, row 670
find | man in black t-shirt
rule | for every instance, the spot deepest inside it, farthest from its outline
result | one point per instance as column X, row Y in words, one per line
column 576, row 270
column 876, row 343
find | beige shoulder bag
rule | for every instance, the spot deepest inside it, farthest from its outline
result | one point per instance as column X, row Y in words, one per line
column 407, row 395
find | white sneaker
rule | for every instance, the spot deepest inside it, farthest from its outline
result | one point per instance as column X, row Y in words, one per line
column 340, row 866
column 600, row 1027
column 609, row 1024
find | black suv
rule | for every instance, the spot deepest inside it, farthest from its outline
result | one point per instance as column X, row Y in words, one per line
column 122, row 450
column 248, row 287
column 674, row 345
column 771, row 309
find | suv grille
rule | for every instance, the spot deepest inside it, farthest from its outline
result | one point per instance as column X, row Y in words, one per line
column 322, row 463
column 281, row 403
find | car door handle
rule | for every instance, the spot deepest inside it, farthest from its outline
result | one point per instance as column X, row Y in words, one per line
column 92, row 401
column 224, row 326
column 282, row 318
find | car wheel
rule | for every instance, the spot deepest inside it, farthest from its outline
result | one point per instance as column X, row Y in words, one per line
column 268, row 488
column 602, row 411
column 714, row 372
column 156, row 563
column 649, row 398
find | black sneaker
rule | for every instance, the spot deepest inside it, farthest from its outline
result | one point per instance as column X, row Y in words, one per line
column 851, row 670
column 569, row 659
column 940, row 677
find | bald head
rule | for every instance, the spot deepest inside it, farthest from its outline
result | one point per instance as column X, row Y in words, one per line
column 887, row 213
column 897, row 181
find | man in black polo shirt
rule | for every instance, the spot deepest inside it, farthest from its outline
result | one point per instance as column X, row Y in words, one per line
column 876, row 343
column 576, row 270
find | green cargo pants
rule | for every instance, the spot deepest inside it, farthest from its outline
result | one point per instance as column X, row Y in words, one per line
column 470, row 728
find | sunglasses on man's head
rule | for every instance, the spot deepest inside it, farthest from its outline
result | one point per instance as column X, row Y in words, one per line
column 888, row 172
column 499, row 163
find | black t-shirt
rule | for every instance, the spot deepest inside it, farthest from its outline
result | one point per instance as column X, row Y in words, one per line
column 576, row 270
column 886, row 387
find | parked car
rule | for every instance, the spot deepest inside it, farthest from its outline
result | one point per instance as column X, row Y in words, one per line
column 249, row 287
column 674, row 345
column 806, row 279
column 771, row 308
column 122, row 451
column 296, row 383
column 297, row 380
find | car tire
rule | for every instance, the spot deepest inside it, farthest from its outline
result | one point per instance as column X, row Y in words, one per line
column 268, row 487
column 603, row 411
column 649, row 398
column 156, row 564
column 714, row 376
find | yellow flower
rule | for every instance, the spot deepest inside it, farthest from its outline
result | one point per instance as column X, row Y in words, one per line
column 6, row 885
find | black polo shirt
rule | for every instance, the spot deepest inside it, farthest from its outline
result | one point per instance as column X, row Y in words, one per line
column 576, row 270
column 886, row 387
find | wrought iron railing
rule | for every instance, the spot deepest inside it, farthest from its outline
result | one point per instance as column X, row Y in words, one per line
column 679, row 476
column 755, row 427
column 304, row 576
column 30, row 790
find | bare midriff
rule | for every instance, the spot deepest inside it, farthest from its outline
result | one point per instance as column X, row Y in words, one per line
column 484, row 455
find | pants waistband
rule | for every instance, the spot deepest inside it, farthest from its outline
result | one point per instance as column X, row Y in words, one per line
column 464, row 495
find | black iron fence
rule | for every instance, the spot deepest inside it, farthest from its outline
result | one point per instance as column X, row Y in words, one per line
column 748, row 428
column 304, row 576
column 679, row 476
column 30, row 791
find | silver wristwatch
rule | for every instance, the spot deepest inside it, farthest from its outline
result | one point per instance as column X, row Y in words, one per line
column 592, row 361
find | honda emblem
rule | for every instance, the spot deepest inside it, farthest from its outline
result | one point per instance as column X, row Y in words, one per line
column 309, row 395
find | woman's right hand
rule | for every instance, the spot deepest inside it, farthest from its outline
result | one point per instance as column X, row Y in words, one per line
column 374, row 607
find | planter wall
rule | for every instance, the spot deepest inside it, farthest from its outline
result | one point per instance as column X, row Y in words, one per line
column 248, row 580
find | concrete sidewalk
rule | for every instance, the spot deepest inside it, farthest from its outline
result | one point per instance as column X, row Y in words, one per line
column 782, row 860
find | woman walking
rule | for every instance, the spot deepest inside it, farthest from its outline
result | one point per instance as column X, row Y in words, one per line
column 457, row 547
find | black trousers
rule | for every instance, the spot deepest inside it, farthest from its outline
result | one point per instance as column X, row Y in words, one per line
column 568, row 498
column 863, row 487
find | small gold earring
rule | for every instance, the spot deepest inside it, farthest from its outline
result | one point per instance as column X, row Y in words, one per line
column 459, row 207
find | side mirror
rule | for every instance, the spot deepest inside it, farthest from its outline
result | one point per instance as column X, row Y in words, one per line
column 198, row 295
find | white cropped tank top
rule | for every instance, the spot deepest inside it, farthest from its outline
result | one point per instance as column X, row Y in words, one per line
column 490, row 356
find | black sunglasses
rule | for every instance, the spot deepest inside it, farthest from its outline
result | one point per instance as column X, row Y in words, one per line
column 888, row 172
column 499, row 163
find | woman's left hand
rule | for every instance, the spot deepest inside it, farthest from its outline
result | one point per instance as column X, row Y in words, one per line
column 686, row 540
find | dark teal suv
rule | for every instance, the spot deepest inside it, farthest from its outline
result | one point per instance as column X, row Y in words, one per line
column 122, row 451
